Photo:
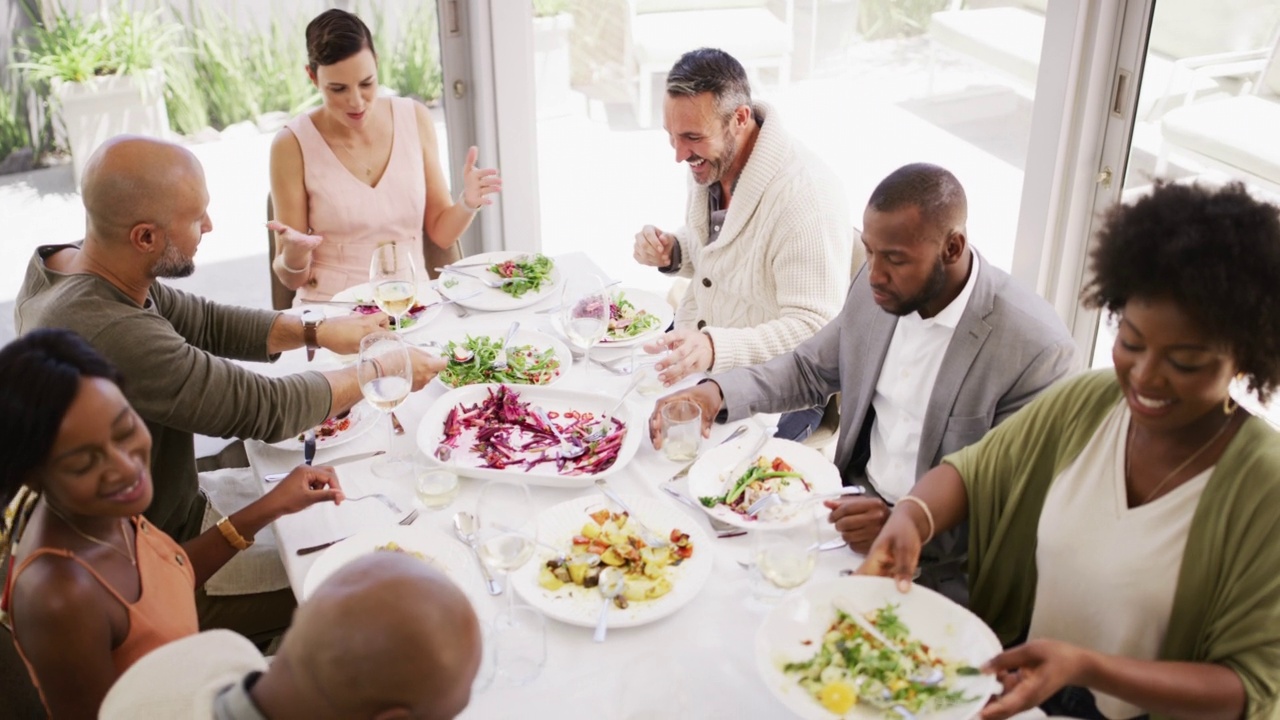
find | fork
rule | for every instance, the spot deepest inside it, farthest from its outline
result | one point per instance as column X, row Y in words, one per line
column 408, row 520
column 500, row 360
column 568, row 449
column 483, row 281
column 652, row 538
column 606, row 426
column 391, row 505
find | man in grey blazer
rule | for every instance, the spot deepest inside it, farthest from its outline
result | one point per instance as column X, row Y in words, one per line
column 933, row 348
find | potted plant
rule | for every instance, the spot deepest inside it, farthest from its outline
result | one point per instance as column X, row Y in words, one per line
column 102, row 74
column 552, row 23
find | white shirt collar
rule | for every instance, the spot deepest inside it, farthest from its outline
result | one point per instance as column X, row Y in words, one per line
column 949, row 316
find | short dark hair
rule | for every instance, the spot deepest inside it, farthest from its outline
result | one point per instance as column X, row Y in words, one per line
column 710, row 70
column 933, row 189
column 40, row 375
column 335, row 35
column 1214, row 252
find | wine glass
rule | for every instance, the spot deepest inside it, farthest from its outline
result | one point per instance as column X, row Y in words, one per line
column 585, row 310
column 393, row 280
column 507, row 533
column 385, row 374
column 785, row 556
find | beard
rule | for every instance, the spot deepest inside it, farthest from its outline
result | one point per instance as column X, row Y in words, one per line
column 172, row 263
column 717, row 166
column 933, row 287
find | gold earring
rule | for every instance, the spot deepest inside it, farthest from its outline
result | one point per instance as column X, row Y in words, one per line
column 1228, row 405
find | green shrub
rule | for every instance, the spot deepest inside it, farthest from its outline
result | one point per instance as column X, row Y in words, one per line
column 410, row 62
column 72, row 47
column 547, row 8
column 14, row 133
column 882, row 19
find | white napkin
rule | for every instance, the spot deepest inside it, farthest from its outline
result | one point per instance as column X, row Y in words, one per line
column 257, row 569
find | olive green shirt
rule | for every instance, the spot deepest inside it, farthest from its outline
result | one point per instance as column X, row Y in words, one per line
column 1226, row 607
column 173, row 352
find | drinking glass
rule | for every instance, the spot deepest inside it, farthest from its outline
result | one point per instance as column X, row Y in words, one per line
column 393, row 280
column 681, row 430
column 507, row 533
column 519, row 643
column 385, row 374
column 585, row 311
column 785, row 556
column 645, row 365
column 436, row 487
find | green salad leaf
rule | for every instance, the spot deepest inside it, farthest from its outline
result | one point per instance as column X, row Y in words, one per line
column 627, row 321
column 526, row 365
column 529, row 274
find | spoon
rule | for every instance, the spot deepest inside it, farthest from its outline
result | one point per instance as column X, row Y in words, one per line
column 568, row 450
column 612, row 582
column 606, row 426
column 500, row 360
column 464, row 526
column 460, row 354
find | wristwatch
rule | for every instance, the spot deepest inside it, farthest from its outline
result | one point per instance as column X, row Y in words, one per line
column 311, row 320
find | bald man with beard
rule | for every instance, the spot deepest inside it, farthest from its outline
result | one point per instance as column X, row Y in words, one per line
column 384, row 637
column 146, row 209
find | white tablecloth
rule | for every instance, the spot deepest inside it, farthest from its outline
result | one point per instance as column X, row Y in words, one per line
column 697, row 663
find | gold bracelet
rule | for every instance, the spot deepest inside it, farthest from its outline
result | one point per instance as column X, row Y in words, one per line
column 232, row 535
column 928, row 515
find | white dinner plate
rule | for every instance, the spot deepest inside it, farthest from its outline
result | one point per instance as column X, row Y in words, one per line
column 539, row 341
column 553, row 400
column 476, row 296
column 581, row 606
column 709, row 476
column 362, row 416
column 650, row 302
column 793, row 630
column 443, row 552
column 362, row 293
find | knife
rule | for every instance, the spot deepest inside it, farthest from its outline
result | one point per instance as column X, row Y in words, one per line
column 309, row 447
column 321, row 546
column 277, row 477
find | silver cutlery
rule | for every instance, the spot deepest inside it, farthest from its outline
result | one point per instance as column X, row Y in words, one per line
column 309, row 447
column 606, row 426
column 721, row 528
column 464, row 526
column 773, row 499
column 483, row 281
column 408, row 520
column 612, row 582
column 651, row 538
column 684, row 471
column 277, row 477
column 484, row 263
column 568, row 449
column 500, row 360
column 335, row 303
column 391, row 504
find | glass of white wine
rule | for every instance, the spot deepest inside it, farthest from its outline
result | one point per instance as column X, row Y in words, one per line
column 584, row 315
column 393, row 280
column 385, row 373
column 507, row 533
column 785, row 556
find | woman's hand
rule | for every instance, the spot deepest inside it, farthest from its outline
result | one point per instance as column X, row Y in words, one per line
column 896, row 550
column 478, row 185
column 295, row 247
column 1032, row 673
column 304, row 487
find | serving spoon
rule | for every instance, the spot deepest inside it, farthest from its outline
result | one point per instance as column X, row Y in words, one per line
column 612, row 582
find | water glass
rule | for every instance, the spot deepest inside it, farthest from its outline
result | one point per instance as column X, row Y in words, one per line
column 784, row 556
column 519, row 644
column 436, row 487
column 681, row 430
column 644, row 365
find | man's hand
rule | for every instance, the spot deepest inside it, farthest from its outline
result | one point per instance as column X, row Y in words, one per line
column 690, row 351
column 342, row 335
column 295, row 246
column 1032, row 673
column 653, row 247
column 858, row 519
column 707, row 397
column 425, row 367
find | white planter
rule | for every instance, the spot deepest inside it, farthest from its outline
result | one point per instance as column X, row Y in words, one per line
column 551, row 63
column 108, row 106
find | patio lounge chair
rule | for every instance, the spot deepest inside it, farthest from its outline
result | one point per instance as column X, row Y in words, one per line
column 1238, row 135
column 660, row 31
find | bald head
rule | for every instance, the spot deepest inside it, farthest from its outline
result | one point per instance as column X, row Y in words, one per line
column 131, row 180
column 385, row 633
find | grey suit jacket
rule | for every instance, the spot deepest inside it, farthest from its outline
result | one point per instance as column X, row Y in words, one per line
column 1008, row 346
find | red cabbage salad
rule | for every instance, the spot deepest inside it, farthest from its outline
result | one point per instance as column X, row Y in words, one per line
column 502, row 432
column 367, row 307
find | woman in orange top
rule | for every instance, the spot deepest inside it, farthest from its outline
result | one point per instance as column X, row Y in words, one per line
column 360, row 170
column 91, row 586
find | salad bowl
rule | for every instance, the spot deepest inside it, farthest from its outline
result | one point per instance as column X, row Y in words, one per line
column 469, row 410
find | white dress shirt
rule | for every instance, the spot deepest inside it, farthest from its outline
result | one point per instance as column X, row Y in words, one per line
column 903, row 389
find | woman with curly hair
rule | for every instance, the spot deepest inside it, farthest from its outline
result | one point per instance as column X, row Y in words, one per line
column 75, row 551
column 1121, row 524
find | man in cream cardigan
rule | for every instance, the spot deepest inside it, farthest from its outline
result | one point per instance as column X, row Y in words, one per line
column 767, row 237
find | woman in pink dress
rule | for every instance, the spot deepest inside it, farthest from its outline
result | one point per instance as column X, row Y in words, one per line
column 359, row 171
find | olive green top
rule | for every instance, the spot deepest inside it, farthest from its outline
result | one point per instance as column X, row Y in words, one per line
column 1226, row 608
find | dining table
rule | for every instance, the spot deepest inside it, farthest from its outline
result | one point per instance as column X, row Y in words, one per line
column 698, row 662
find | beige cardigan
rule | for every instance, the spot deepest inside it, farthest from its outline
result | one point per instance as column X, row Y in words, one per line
column 779, row 270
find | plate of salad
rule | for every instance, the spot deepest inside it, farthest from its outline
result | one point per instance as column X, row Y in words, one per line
column 533, row 278
column 726, row 483
column 533, row 358
column 341, row 428
column 637, row 316
column 594, row 534
column 822, row 663
column 425, row 305
column 493, row 432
